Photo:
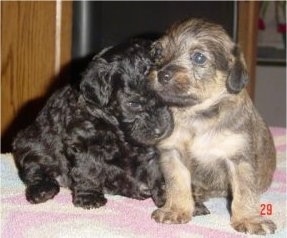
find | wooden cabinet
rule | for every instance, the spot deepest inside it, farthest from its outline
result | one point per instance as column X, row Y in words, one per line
column 36, row 44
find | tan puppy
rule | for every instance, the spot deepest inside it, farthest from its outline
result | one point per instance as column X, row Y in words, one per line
column 220, row 145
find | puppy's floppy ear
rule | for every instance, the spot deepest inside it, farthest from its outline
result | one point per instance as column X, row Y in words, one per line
column 156, row 52
column 156, row 49
column 96, row 85
column 238, row 76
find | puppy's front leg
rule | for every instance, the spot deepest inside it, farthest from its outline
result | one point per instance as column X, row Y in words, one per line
column 179, row 203
column 87, row 187
column 245, row 204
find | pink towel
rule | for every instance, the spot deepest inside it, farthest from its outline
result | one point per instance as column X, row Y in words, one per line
column 124, row 217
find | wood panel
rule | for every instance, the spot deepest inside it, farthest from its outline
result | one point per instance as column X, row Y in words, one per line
column 32, row 54
column 247, row 37
column 66, row 33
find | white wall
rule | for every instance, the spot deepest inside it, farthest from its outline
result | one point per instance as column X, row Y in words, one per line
column 270, row 94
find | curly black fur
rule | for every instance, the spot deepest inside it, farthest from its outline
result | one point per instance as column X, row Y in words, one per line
column 99, row 137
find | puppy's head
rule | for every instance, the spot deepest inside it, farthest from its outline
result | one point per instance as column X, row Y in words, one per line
column 195, row 61
column 116, row 83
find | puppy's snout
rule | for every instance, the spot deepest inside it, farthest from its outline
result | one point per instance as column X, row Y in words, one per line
column 164, row 76
column 161, row 132
column 158, row 132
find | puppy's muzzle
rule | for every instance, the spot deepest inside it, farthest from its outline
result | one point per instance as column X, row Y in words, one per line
column 158, row 132
column 161, row 132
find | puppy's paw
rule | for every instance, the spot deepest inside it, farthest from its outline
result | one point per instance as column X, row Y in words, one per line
column 200, row 209
column 159, row 198
column 162, row 215
column 254, row 225
column 159, row 195
column 144, row 192
column 89, row 200
column 41, row 192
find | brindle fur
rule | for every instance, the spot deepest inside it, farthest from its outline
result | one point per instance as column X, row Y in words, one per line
column 220, row 144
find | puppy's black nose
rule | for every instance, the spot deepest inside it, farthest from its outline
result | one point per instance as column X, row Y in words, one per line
column 164, row 76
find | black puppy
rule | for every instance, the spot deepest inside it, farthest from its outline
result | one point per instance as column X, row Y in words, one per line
column 98, row 138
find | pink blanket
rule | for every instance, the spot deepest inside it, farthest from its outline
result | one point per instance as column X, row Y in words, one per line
column 124, row 217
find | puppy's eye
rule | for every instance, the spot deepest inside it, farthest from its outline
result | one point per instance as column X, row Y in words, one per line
column 75, row 149
column 198, row 58
column 134, row 106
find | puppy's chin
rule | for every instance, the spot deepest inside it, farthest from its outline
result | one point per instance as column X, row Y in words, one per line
column 149, row 140
column 146, row 142
column 178, row 100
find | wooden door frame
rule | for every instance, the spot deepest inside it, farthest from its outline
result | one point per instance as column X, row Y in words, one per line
column 248, row 14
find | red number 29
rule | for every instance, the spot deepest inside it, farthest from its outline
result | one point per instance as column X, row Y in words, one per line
column 266, row 209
